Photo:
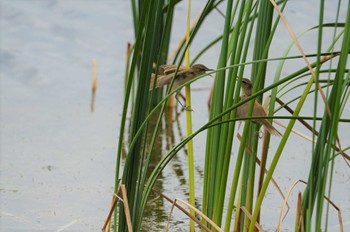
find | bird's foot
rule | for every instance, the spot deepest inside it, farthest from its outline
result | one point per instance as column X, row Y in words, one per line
column 187, row 108
column 260, row 134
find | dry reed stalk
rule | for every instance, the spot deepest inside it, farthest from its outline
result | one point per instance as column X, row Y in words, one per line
column 249, row 215
column 126, row 207
column 340, row 218
column 285, row 202
column 274, row 182
column 309, row 127
column 174, row 203
column 94, row 85
column 116, row 198
column 296, row 42
column 299, row 218
column 299, row 213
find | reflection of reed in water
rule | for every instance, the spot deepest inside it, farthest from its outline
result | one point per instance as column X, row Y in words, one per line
column 169, row 134
column 155, row 211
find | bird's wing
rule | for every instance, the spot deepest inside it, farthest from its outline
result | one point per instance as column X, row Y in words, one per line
column 258, row 110
column 166, row 74
column 171, row 68
column 165, row 68
column 161, row 80
column 164, row 80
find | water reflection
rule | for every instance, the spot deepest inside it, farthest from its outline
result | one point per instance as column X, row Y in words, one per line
column 173, row 176
column 57, row 159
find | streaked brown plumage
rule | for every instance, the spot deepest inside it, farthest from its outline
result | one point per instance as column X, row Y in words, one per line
column 258, row 110
column 184, row 74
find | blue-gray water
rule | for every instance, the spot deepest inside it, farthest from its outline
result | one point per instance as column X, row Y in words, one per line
column 57, row 159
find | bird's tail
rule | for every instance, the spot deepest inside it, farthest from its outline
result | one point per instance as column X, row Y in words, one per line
column 272, row 130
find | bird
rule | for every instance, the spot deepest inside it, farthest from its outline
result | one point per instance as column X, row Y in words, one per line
column 258, row 110
column 184, row 74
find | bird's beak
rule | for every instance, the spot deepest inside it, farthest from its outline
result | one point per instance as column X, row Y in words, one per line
column 208, row 70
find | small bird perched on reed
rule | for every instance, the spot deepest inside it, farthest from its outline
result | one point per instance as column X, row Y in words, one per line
column 184, row 74
column 258, row 110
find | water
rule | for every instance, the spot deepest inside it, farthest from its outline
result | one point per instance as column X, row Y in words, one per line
column 58, row 158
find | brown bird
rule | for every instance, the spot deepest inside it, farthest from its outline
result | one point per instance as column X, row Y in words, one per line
column 184, row 74
column 258, row 110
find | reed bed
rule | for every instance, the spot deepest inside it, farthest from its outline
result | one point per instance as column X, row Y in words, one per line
column 234, row 203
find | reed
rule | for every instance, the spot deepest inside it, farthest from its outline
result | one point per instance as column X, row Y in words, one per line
column 326, row 78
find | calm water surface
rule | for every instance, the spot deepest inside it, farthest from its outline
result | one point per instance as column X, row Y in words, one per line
column 58, row 158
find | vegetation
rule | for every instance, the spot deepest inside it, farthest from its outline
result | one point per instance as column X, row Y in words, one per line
column 247, row 22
